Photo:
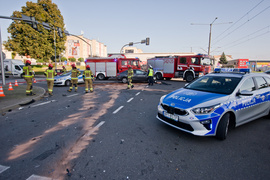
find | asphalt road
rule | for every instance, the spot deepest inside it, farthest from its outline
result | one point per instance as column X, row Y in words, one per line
column 113, row 134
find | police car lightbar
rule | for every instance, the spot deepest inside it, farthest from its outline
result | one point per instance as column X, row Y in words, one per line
column 232, row 70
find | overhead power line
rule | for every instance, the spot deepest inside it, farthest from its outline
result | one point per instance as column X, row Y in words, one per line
column 243, row 23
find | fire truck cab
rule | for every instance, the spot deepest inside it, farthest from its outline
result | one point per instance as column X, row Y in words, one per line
column 187, row 67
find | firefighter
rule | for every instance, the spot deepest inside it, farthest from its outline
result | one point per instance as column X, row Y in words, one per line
column 88, row 79
column 50, row 73
column 74, row 78
column 64, row 69
column 28, row 75
column 150, row 75
column 129, row 75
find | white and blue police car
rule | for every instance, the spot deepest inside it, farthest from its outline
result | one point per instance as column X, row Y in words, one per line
column 65, row 79
column 217, row 102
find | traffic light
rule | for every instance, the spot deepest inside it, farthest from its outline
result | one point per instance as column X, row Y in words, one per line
column 30, row 20
column 130, row 44
column 60, row 33
column 147, row 41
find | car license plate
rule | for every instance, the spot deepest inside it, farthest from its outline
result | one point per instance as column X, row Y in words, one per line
column 171, row 116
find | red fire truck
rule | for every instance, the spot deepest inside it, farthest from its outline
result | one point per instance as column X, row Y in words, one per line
column 187, row 67
column 104, row 68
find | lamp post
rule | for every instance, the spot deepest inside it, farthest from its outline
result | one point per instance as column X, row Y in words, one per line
column 209, row 45
column 210, row 33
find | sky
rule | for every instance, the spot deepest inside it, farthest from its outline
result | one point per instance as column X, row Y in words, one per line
column 242, row 27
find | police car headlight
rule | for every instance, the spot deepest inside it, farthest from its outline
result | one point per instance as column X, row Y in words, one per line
column 205, row 110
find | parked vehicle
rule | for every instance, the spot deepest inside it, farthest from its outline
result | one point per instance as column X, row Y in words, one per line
column 104, row 68
column 65, row 79
column 187, row 67
column 13, row 67
column 216, row 102
column 138, row 76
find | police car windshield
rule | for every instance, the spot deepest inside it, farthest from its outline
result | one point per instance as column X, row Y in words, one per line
column 215, row 84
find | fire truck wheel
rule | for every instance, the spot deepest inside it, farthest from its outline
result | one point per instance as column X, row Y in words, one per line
column 159, row 76
column 124, row 80
column 101, row 76
column 189, row 77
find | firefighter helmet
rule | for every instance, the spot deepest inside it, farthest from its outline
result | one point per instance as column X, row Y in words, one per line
column 50, row 66
column 73, row 65
column 63, row 67
column 28, row 62
column 129, row 66
column 88, row 67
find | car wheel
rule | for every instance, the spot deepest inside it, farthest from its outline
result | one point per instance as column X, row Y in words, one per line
column 159, row 76
column 68, row 83
column 223, row 126
column 124, row 80
column 189, row 77
column 100, row 76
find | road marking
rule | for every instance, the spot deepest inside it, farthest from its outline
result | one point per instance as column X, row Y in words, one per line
column 43, row 103
column 72, row 95
column 35, row 177
column 3, row 168
column 95, row 128
column 130, row 99
column 137, row 93
column 116, row 111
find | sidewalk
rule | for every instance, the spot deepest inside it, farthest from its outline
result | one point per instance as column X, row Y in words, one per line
column 16, row 98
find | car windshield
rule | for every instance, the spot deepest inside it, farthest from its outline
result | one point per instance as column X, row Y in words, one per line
column 215, row 84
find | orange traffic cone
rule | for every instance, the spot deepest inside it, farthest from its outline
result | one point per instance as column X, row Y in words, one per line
column 35, row 81
column 10, row 87
column 16, row 83
column 1, row 92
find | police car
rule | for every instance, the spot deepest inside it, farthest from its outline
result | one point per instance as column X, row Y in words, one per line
column 65, row 79
column 216, row 102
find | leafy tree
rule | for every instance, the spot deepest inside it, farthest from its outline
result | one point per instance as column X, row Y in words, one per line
column 72, row 59
column 223, row 59
column 38, row 44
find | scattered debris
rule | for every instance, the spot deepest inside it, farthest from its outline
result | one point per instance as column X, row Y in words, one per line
column 122, row 141
column 68, row 173
column 20, row 108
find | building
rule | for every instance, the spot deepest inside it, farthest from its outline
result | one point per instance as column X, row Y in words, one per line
column 81, row 47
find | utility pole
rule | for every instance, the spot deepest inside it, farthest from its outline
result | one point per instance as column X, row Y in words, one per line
column 210, row 33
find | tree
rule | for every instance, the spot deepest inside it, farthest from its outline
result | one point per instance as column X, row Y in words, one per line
column 223, row 59
column 38, row 44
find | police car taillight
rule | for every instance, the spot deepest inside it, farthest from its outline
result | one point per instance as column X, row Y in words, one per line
column 232, row 70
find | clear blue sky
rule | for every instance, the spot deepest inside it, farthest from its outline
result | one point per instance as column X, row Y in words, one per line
column 167, row 23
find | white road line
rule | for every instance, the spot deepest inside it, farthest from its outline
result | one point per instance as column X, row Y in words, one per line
column 94, row 129
column 3, row 168
column 137, row 93
column 130, row 99
column 72, row 95
column 116, row 111
column 35, row 177
column 43, row 103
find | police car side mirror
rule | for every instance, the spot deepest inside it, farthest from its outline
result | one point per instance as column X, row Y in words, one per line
column 244, row 93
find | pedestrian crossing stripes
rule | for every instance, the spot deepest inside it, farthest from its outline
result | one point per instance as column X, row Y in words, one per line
column 3, row 168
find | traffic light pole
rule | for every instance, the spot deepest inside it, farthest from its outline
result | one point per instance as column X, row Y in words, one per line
column 2, row 61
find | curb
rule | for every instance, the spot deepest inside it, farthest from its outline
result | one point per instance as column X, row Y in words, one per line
column 12, row 107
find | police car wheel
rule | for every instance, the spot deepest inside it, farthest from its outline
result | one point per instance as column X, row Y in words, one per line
column 223, row 126
column 68, row 83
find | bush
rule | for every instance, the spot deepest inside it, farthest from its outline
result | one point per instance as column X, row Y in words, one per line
column 63, row 58
column 72, row 59
column 81, row 59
